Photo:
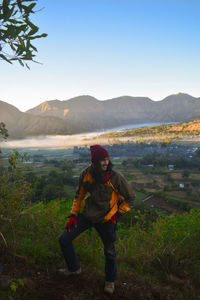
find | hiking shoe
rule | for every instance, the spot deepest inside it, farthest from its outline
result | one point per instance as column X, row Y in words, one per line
column 109, row 287
column 66, row 272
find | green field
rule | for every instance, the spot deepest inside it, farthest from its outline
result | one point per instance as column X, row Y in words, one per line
column 144, row 180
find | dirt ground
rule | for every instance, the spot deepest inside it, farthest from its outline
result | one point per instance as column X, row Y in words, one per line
column 47, row 284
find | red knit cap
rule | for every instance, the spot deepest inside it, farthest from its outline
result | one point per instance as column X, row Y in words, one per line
column 98, row 153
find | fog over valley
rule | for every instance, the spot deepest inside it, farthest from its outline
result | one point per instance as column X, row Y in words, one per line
column 68, row 141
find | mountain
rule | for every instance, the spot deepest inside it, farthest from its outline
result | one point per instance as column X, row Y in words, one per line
column 86, row 113
column 20, row 124
column 93, row 114
column 178, row 108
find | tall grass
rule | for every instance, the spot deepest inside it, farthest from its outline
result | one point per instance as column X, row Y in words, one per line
column 169, row 246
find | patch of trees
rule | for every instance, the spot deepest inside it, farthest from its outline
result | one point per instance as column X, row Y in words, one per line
column 160, row 160
column 51, row 186
column 141, row 215
column 64, row 165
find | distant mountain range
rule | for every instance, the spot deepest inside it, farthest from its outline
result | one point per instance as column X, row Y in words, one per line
column 86, row 113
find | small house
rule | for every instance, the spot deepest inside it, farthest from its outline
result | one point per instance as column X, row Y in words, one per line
column 170, row 167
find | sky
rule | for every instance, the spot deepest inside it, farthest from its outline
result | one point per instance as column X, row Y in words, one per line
column 107, row 49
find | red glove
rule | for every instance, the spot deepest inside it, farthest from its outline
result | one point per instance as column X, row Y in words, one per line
column 113, row 219
column 70, row 222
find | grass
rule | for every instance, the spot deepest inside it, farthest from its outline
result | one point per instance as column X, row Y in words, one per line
column 140, row 196
column 159, row 250
column 176, row 236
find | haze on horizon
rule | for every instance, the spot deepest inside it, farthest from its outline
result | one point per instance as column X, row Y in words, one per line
column 108, row 49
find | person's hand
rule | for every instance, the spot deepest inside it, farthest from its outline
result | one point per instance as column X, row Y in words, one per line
column 113, row 219
column 71, row 221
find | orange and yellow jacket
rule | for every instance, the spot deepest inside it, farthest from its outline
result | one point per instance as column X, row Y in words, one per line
column 102, row 199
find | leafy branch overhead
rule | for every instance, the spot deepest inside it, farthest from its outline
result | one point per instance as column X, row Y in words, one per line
column 17, row 32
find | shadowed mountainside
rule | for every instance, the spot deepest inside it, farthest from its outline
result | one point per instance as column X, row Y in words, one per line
column 20, row 124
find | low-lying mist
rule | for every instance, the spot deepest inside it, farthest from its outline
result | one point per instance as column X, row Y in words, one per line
column 55, row 141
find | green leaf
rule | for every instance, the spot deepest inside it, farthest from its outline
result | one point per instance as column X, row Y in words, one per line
column 13, row 31
column 15, row 21
column 12, row 46
column 33, row 47
column 13, row 287
column 30, row 7
column 21, row 41
column 44, row 35
column 10, row 13
column 10, row 33
column 28, row 56
column 6, row 10
column 20, row 49
column 19, row 5
column 28, row 44
column 21, row 63
column 22, row 27
column 5, row 58
column 38, row 36
column 33, row 31
column 20, row 280
column 33, row 26
column 15, row 12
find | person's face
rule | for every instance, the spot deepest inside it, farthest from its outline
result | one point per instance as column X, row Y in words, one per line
column 104, row 163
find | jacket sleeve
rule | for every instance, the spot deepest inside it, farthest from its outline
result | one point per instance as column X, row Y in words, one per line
column 79, row 196
column 126, row 191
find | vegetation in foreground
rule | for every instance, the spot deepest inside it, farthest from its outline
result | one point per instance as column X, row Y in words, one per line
column 161, row 250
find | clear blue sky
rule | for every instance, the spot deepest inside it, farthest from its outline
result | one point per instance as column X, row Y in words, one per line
column 109, row 48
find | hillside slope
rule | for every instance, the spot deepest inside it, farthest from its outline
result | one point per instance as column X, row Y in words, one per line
column 20, row 124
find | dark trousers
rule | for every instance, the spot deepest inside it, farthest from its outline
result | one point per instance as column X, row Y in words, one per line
column 107, row 233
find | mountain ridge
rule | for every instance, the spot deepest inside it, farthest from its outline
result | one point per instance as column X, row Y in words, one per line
column 86, row 113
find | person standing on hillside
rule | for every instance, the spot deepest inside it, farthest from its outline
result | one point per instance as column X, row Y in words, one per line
column 103, row 206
